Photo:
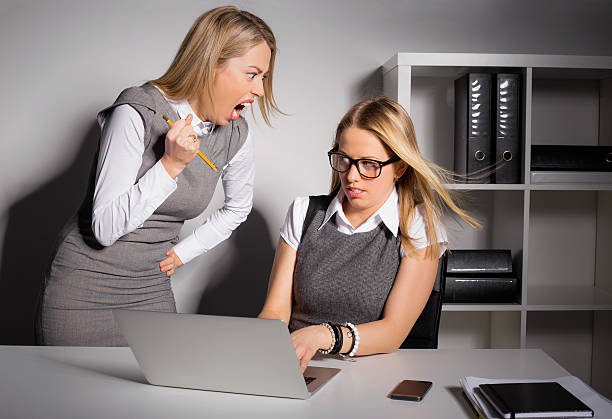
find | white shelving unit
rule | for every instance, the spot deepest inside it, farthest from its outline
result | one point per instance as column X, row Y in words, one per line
column 560, row 234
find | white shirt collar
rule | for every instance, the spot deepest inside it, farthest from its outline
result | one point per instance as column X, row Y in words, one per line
column 183, row 109
column 388, row 214
column 202, row 127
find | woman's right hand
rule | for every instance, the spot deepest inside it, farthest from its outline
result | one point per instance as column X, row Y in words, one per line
column 181, row 144
column 308, row 341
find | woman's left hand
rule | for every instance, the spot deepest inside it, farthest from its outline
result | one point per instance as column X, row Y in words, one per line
column 308, row 340
column 169, row 264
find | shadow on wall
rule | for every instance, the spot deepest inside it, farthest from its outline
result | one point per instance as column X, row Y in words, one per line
column 34, row 224
column 369, row 86
column 241, row 290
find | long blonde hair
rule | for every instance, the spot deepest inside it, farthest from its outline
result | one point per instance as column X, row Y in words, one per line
column 215, row 37
column 422, row 182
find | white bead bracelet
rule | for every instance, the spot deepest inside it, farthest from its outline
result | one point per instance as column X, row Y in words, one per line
column 355, row 344
column 333, row 336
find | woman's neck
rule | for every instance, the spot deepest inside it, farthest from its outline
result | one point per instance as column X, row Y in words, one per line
column 357, row 216
column 197, row 107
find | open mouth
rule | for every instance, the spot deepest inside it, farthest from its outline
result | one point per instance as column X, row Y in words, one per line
column 238, row 108
column 354, row 192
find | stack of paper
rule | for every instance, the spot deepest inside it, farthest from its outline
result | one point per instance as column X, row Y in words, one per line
column 600, row 405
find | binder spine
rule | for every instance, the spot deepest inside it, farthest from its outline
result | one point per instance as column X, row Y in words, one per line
column 473, row 127
column 480, row 276
column 480, row 290
column 506, row 138
column 479, row 262
column 596, row 158
column 479, row 128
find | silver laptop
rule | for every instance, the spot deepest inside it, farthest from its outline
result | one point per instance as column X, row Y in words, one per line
column 229, row 354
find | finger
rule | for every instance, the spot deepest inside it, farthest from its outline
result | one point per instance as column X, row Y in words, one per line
column 300, row 352
column 177, row 260
column 175, row 129
column 308, row 355
column 303, row 364
column 187, row 129
column 189, row 134
column 192, row 144
column 189, row 119
column 189, row 142
column 295, row 343
column 170, row 272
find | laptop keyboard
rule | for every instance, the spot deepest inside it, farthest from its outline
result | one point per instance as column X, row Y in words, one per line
column 309, row 379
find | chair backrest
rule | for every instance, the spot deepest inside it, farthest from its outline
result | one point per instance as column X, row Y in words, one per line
column 424, row 333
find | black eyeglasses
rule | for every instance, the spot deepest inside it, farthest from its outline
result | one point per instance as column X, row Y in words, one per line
column 367, row 168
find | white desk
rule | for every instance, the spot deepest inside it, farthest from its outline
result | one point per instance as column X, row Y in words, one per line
column 54, row 382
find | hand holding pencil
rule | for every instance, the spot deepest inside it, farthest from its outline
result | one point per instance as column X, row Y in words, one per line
column 212, row 166
column 181, row 146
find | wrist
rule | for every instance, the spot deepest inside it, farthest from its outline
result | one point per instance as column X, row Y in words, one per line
column 325, row 337
column 173, row 167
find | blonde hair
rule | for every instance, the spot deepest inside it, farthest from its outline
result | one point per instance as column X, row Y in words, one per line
column 422, row 182
column 215, row 37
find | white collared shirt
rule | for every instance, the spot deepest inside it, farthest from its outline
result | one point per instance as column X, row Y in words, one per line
column 388, row 213
column 121, row 204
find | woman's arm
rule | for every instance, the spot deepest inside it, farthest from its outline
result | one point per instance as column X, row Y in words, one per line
column 409, row 294
column 278, row 300
column 120, row 204
column 237, row 178
column 278, row 305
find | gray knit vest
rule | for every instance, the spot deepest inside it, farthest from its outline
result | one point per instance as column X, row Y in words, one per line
column 340, row 277
column 85, row 274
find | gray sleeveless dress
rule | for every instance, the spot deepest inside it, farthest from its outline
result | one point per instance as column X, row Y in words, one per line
column 338, row 277
column 87, row 280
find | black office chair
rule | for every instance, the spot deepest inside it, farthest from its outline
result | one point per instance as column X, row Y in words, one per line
column 424, row 333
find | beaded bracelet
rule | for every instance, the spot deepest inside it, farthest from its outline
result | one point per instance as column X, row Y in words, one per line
column 339, row 339
column 333, row 336
column 353, row 331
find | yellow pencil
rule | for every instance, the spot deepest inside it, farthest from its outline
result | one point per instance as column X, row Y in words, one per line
column 199, row 152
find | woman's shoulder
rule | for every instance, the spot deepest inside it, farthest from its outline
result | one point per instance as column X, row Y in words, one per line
column 142, row 98
column 299, row 206
column 305, row 201
column 420, row 212
column 298, row 209
column 146, row 95
column 291, row 230
column 419, row 226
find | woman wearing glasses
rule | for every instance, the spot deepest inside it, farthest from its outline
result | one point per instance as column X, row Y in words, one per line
column 354, row 269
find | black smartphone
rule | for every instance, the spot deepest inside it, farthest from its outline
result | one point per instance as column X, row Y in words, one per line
column 410, row 390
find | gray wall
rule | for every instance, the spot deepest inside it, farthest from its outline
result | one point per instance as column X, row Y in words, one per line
column 64, row 60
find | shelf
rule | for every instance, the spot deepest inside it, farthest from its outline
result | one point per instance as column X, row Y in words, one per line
column 480, row 307
column 548, row 298
column 487, row 186
column 567, row 298
column 437, row 61
column 570, row 187
column 531, row 187
column 559, row 236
